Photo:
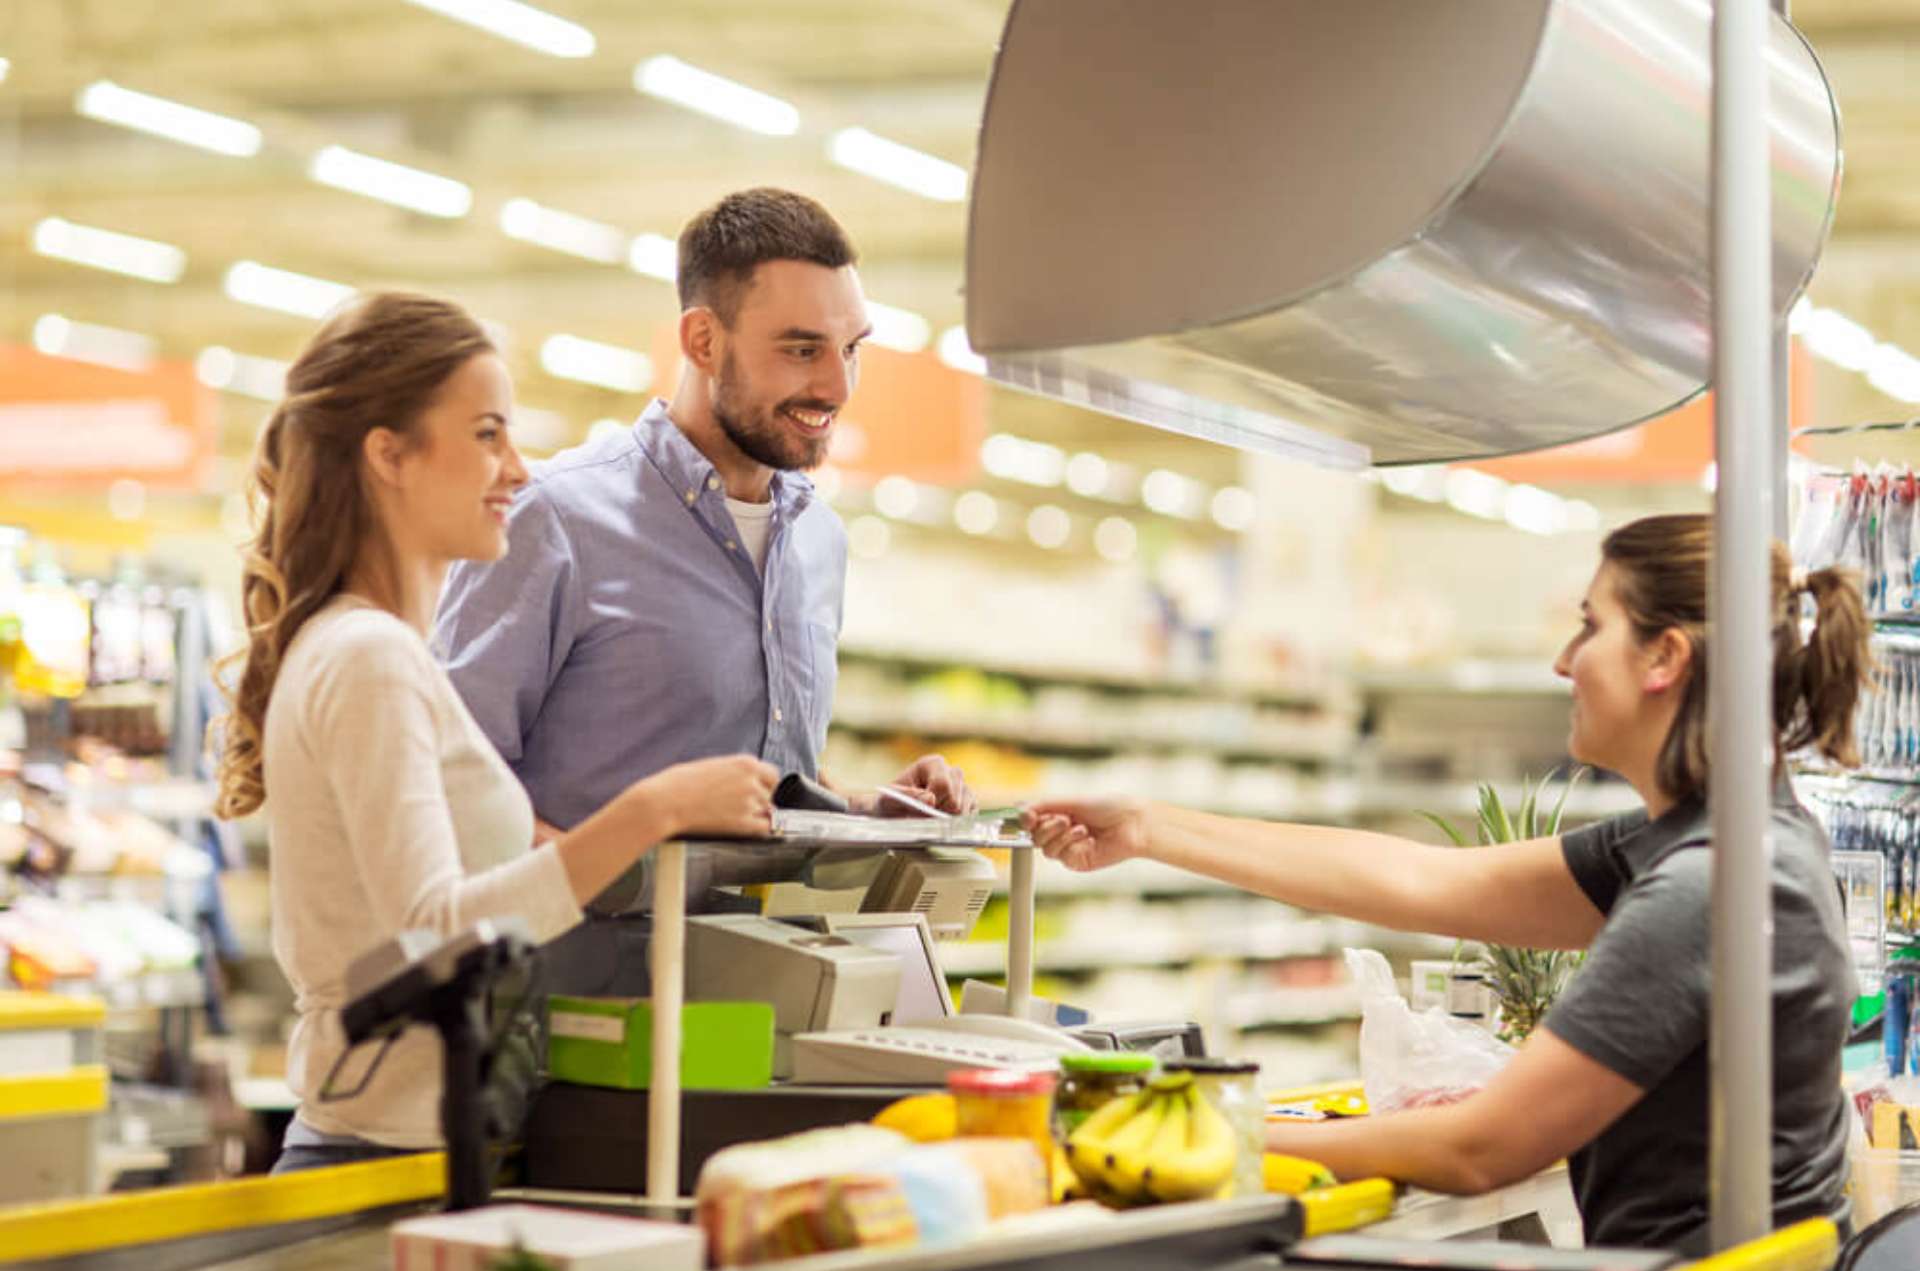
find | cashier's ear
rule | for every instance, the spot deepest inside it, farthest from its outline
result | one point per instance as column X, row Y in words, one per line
column 698, row 326
column 1666, row 661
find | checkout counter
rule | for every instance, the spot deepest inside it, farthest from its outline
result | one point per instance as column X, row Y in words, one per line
column 839, row 979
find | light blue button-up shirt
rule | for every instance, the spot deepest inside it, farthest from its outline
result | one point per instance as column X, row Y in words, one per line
column 627, row 629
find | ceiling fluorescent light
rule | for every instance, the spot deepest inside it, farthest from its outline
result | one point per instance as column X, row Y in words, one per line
column 394, row 183
column 1895, row 372
column 656, row 256
column 5, row 66
column 252, row 283
column 899, row 329
column 1171, row 494
column 84, row 342
column 1115, row 539
column 525, row 25
column 956, row 352
column 109, row 103
column 1535, row 511
column 671, row 79
column 903, row 166
column 264, row 378
column 1476, row 493
column 105, row 249
column 590, row 362
column 529, row 222
column 1838, row 338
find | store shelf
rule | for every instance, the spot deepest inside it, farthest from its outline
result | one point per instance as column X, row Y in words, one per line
column 1470, row 676
column 177, row 987
column 1175, row 946
column 1293, row 1007
column 1336, row 801
column 1273, row 693
column 1038, row 737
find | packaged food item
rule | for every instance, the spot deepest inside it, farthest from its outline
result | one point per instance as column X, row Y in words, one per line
column 924, row 1118
column 564, row 1239
column 1013, row 1171
column 1232, row 1086
column 1293, row 1174
column 1088, row 1080
column 1896, row 545
column 997, row 1103
column 805, row 1193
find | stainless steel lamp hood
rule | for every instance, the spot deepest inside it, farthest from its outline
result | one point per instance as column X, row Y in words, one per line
column 1385, row 231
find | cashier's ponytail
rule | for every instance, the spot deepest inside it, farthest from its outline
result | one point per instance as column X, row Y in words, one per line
column 1662, row 571
column 376, row 364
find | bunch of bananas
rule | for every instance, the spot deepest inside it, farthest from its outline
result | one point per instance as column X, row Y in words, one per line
column 1166, row 1143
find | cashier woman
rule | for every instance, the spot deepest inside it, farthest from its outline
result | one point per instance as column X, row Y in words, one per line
column 1615, row 1080
column 387, row 808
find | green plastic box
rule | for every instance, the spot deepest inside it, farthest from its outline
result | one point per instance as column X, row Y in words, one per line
column 608, row 1041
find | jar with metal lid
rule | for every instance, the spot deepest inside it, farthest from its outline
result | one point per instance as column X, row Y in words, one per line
column 1088, row 1080
column 1002, row 1104
column 1233, row 1087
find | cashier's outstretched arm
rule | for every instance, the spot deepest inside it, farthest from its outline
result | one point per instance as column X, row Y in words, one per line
column 1549, row 1101
column 1511, row 893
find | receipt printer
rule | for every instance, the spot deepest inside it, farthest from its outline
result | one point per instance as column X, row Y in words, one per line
column 815, row 982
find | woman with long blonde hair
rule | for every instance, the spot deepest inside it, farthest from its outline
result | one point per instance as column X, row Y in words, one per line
column 388, row 459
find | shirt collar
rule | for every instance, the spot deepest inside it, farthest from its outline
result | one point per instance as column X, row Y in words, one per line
column 692, row 474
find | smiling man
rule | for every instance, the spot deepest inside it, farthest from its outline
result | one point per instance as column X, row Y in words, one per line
column 674, row 591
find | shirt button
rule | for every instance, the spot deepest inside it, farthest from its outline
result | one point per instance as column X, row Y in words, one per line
column 769, row 626
column 713, row 483
column 777, row 716
column 692, row 495
column 729, row 544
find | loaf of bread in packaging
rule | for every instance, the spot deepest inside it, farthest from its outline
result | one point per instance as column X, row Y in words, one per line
column 805, row 1193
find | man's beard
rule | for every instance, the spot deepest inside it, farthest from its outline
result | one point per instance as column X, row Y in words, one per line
column 763, row 438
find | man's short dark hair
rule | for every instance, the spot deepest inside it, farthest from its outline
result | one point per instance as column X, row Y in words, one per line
column 721, row 247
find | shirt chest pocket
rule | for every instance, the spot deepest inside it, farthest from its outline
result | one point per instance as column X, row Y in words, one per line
column 817, row 669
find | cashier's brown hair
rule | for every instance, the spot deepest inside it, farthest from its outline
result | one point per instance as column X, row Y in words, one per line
column 376, row 364
column 1662, row 572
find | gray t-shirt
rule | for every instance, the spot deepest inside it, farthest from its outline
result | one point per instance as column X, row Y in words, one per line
column 1640, row 1003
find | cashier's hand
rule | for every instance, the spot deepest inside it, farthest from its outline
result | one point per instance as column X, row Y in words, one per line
column 1088, row 834
column 932, row 780
column 729, row 795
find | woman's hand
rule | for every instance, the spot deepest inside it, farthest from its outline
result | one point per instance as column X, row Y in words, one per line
column 729, row 795
column 1088, row 834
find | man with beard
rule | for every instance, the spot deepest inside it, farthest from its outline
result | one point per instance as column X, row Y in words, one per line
column 674, row 591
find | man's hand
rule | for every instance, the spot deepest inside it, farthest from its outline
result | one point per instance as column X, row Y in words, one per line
column 931, row 780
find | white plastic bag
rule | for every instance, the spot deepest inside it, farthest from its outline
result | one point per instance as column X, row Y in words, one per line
column 1416, row 1060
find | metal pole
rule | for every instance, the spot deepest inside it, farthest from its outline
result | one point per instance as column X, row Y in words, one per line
column 1020, row 889
column 1782, row 426
column 1740, row 1037
column 668, row 949
column 1782, row 397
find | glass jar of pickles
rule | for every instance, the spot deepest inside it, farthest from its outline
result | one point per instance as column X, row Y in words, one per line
column 1233, row 1087
column 1089, row 1080
column 994, row 1103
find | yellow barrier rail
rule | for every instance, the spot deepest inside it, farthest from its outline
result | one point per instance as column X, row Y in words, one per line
column 57, row 1094
column 1806, row 1246
column 1347, row 1206
column 62, row 1228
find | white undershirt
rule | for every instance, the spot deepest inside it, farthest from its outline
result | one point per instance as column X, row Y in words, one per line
column 754, row 521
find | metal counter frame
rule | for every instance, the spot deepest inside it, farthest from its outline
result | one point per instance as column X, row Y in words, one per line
column 668, row 954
